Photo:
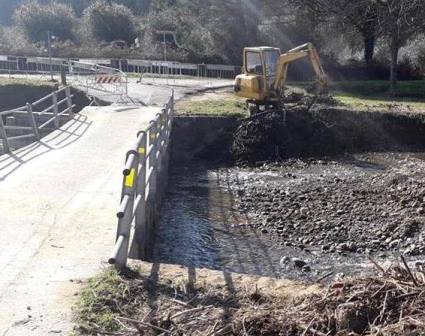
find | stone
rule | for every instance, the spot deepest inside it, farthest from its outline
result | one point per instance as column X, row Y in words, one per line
column 394, row 243
column 284, row 261
column 298, row 262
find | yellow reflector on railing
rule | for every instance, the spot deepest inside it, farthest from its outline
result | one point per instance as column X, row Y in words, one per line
column 142, row 150
column 129, row 180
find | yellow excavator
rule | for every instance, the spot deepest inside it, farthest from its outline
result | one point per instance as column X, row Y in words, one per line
column 265, row 71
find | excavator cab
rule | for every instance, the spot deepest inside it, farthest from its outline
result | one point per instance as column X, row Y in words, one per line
column 259, row 72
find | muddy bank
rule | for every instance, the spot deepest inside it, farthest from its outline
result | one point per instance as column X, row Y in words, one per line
column 324, row 131
column 202, row 139
column 318, row 132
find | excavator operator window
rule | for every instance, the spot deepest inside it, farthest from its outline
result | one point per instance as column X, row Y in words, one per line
column 270, row 59
column 254, row 64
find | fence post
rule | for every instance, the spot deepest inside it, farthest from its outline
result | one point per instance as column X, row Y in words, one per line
column 32, row 121
column 68, row 100
column 55, row 108
column 3, row 134
column 141, row 232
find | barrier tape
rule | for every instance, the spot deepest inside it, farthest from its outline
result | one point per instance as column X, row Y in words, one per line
column 107, row 79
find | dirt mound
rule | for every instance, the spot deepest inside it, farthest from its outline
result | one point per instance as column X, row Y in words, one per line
column 277, row 135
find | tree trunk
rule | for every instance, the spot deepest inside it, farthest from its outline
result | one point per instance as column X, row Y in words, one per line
column 369, row 48
column 394, row 64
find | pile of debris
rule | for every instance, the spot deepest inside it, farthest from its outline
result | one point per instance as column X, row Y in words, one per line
column 279, row 134
column 389, row 304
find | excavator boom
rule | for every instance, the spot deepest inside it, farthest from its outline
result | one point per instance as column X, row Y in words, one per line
column 304, row 51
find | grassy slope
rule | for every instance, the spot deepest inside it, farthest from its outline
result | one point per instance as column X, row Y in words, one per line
column 16, row 92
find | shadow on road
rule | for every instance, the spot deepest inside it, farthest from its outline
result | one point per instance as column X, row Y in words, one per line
column 60, row 138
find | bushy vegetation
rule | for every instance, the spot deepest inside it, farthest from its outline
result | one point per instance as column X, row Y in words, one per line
column 110, row 22
column 356, row 38
column 35, row 20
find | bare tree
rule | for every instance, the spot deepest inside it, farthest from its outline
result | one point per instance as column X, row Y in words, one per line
column 400, row 20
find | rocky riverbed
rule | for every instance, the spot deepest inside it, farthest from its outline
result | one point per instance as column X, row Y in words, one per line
column 367, row 203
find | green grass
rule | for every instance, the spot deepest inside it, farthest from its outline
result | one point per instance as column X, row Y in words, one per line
column 225, row 105
column 8, row 81
column 376, row 94
column 94, row 308
column 163, row 76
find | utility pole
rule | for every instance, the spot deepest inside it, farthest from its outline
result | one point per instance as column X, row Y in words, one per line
column 49, row 50
column 165, row 48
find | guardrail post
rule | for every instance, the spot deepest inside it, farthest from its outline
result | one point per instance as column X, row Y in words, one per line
column 125, row 215
column 141, row 232
column 55, row 108
column 153, row 135
column 68, row 100
column 3, row 134
column 32, row 121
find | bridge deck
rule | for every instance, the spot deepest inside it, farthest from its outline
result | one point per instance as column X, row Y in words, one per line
column 58, row 200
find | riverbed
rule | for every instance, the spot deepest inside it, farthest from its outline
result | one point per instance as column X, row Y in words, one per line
column 303, row 219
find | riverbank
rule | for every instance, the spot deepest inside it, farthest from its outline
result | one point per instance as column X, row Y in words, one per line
column 157, row 299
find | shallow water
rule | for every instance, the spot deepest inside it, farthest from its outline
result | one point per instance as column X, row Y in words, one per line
column 202, row 227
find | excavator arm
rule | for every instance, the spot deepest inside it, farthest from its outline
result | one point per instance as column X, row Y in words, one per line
column 304, row 51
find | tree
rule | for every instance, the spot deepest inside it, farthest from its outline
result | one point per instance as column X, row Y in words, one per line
column 360, row 15
column 36, row 19
column 401, row 20
column 109, row 22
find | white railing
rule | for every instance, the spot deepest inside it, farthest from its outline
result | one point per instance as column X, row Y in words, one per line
column 143, row 183
column 60, row 105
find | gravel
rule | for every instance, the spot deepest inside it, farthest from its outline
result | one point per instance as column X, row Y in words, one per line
column 371, row 203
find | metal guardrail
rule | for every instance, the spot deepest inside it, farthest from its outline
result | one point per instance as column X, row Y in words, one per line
column 98, row 77
column 42, row 65
column 145, row 164
column 61, row 105
column 86, row 75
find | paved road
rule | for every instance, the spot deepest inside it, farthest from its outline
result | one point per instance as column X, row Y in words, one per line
column 58, row 200
column 155, row 91
column 150, row 91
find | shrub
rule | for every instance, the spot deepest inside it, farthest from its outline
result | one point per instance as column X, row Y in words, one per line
column 36, row 19
column 108, row 23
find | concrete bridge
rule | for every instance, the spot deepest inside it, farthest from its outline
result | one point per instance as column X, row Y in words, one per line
column 58, row 202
